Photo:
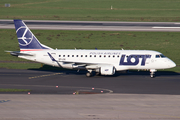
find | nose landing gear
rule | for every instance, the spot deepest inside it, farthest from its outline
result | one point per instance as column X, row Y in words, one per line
column 152, row 73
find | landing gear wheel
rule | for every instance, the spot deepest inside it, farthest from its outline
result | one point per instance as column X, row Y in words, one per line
column 152, row 75
column 88, row 74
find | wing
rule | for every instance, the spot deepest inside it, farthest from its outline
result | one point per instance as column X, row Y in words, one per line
column 84, row 64
column 104, row 69
column 79, row 65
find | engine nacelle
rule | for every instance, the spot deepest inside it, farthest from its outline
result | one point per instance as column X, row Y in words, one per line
column 68, row 66
column 107, row 70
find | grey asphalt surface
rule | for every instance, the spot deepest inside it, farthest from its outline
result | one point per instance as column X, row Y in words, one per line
column 95, row 25
column 69, row 82
column 89, row 107
column 133, row 95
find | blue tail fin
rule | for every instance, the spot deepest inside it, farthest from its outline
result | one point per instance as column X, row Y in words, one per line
column 27, row 40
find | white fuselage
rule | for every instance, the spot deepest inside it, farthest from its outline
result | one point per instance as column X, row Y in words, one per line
column 120, row 59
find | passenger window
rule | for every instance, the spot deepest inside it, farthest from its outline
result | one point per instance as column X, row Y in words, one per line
column 113, row 56
column 100, row 56
column 94, row 55
column 104, row 55
column 72, row 55
column 68, row 55
column 118, row 56
column 90, row 55
column 109, row 56
column 81, row 55
column 59, row 55
column 76, row 55
column 85, row 55
column 63, row 55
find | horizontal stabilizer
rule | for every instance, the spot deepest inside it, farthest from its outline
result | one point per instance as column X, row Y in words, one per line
column 18, row 53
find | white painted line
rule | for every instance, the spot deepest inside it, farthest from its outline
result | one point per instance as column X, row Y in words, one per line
column 168, row 27
column 176, row 23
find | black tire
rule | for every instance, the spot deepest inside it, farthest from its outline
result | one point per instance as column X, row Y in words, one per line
column 88, row 74
column 152, row 75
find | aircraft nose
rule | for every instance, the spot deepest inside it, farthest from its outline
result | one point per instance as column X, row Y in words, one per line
column 172, row 64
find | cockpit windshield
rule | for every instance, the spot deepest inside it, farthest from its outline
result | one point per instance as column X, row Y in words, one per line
column 160, row 56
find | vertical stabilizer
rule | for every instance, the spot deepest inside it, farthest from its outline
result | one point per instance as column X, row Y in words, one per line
column 27, row 40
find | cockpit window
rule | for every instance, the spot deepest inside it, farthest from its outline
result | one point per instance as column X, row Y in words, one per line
column 160, row 56
column 157, row 56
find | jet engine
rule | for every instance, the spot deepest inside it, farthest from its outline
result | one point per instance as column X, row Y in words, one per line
column 107, row 70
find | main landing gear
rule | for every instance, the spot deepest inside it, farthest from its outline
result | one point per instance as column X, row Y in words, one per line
column 152, row 73
column 89, row 73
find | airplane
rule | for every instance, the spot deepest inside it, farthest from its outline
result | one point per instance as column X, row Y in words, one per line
column 103, row 62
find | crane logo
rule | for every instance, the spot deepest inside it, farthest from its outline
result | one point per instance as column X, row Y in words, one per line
column 24, row 35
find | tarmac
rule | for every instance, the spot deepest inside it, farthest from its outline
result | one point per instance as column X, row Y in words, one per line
column 95, row 25
column 89, row 107
column 70, row 81
column 70, row 95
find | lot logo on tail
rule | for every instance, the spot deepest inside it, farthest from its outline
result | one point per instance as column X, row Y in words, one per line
column 24, row 35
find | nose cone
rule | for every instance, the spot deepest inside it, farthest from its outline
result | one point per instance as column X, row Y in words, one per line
column 172, row 64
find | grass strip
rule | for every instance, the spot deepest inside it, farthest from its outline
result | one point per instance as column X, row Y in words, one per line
column 93, row 10
column 14, row 90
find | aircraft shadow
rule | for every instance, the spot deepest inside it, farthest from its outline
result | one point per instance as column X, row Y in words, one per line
column 121, row 73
